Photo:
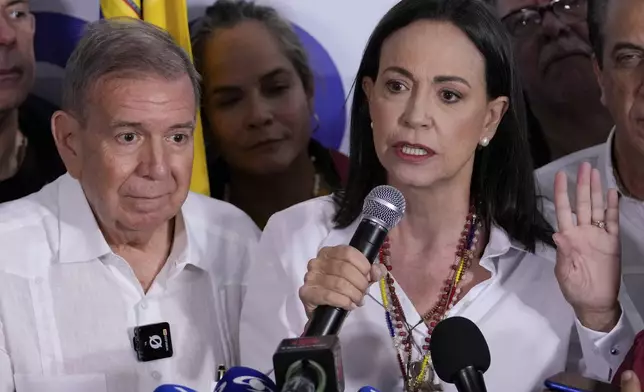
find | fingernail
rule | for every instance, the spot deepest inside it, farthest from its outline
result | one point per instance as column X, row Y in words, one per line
column 627, row 375
column 353, row 306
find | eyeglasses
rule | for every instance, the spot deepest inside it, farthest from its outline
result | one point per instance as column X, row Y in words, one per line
column 527, row 21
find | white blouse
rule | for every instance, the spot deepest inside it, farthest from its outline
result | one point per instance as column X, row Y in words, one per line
column 520, row 310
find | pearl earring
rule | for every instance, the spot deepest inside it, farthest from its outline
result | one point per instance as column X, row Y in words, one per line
column 484, row 142
column 372, row 125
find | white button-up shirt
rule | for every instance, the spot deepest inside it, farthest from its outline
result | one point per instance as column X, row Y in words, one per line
column 68, row 304
column 631, row 219
column 520, row 310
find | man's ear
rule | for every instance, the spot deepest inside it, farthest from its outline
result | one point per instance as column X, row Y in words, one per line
column 599, row 74
column 66, row 130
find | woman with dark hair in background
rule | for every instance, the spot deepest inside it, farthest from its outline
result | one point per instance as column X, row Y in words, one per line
column 446, row 125
column 258, row 112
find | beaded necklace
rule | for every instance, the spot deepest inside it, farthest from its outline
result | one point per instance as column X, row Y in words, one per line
column 419, row 375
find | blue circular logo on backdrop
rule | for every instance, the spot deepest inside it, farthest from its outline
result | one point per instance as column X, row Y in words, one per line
column 57, row 35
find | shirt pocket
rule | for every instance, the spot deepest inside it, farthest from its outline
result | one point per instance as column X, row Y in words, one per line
column 73, row 383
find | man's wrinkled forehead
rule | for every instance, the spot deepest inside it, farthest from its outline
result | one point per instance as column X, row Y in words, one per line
column 624, row 23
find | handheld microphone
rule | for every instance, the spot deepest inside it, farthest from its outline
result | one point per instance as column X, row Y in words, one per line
column 173, row 388
column 383, row 209
column 368, row 389
column 243, row 379
column 309, row 364
column 460, row 354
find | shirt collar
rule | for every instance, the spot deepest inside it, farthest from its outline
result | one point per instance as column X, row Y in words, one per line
column 180, row 252
column 499, row 244
column 82, row 240
column 605, row 162
column 186, row 249
column 80, row 237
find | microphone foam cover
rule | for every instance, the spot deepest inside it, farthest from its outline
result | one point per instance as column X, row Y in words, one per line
column 456, row 344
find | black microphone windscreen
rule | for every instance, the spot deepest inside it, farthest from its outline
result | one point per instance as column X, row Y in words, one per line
column 456, row 344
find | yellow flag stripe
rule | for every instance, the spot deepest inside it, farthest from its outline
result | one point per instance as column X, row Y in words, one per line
column 118, row 8
column 172, row 15
column 200, row 181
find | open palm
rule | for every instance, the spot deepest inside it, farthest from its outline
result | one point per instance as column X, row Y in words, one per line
column 588, row 256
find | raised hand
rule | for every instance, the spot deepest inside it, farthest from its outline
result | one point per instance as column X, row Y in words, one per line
column 588, row 251
column 339, row 276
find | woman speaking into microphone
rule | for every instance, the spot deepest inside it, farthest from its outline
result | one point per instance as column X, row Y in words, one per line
column 439, row 115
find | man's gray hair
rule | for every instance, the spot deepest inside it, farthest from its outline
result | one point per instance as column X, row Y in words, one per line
column 122, row 47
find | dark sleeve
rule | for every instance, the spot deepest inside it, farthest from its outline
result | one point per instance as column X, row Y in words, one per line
column 634, row 360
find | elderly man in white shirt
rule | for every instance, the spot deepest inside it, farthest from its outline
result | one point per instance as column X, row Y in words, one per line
column 617, row 35
column 115, row 278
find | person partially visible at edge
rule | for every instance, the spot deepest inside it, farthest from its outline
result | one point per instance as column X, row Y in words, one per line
column 28, row 156
column 554, row 59
column 445, row 125
column 617, row 35
column 632, row 369
column 258, row 112
column 630, row 382
column 119, row 244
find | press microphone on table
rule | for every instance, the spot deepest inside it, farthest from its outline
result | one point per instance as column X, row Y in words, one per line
column 368, row 389
column 383, row 209
column 309, row 364
column 243, row 379
column 460, row 354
